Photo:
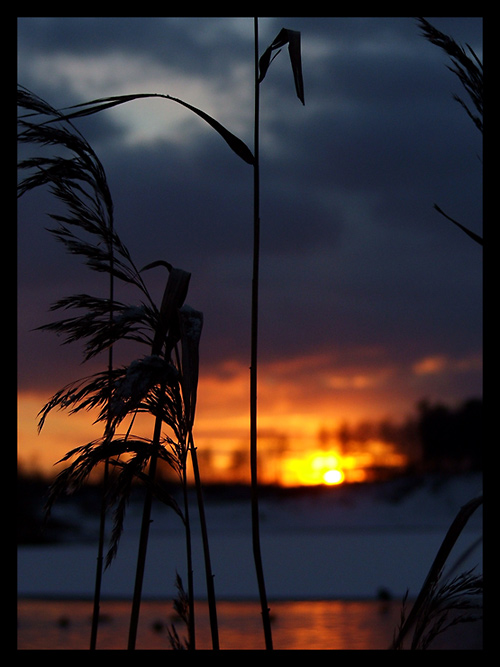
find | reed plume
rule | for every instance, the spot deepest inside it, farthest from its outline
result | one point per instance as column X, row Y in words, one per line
column 467, row 66
column 429, row 611
column 163, row 382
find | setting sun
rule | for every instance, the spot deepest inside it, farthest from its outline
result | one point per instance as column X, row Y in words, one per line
column 333, row 477
column 311, row 469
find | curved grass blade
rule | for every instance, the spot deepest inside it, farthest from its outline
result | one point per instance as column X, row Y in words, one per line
column 94, row 106
column 472, row 235
column 454, row 531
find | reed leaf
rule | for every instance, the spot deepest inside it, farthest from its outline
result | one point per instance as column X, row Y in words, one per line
column 475, row 237
column 101, row 104
column 292, row 38
column 191, row 323
column 167, row 332
column 261, row 65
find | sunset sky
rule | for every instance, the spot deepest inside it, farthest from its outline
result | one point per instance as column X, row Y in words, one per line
column 369, row 299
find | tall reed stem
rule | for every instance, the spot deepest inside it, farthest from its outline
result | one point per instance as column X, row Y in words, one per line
column 212, row 610
column 253, row 366
column 189, row 559
column 102, row 519
column 144, row 536
column 100, row 561
column 173, row 297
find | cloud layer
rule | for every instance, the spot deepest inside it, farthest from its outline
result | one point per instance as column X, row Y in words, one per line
column 359, row 275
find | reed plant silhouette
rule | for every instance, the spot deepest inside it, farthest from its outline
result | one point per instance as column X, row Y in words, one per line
column 430, row 613
column 440, row 605
column 261, row 65
column 169, row 398
column 162, row 383
column 469, row 70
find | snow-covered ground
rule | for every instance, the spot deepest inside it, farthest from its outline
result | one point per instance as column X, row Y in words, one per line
column 349, row 542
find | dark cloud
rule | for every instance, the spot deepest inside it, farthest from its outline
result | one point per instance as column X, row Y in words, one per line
column 353, row 253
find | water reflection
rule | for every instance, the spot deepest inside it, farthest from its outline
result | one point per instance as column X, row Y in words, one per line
column 309, row 625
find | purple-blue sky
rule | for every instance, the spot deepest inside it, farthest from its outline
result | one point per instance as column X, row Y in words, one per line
column 367, row 295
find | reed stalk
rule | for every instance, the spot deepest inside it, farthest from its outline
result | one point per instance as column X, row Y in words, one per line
column 173, row 298
column 143, row 543
column 103, row 512
column 100, row 562
column 212, row 608
column 261, row 65
column 104, row 322
column 90, row 391
column 253, row 363
column 191, row 323
column 191, row 624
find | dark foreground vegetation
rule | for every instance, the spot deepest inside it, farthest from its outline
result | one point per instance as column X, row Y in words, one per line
column 164, row 383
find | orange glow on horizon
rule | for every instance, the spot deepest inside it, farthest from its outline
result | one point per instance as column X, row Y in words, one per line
column 297, row 421
column 294, row 455
column 315, row 468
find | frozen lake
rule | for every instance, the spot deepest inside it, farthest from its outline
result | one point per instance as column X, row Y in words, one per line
column 346, row 543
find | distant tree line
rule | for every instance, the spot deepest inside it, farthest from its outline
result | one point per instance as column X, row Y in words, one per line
column 438, row 437
column 451, row 437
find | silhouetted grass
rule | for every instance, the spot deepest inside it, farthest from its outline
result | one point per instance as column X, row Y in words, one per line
column 469, row 70
column 433, row 604
column 162, row 383
column 261, row 65
column 436, row 606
